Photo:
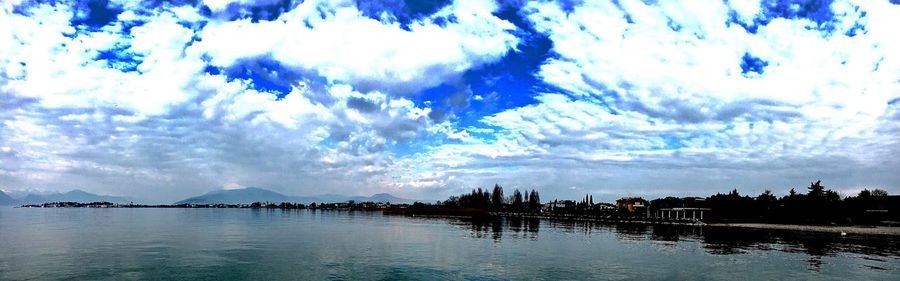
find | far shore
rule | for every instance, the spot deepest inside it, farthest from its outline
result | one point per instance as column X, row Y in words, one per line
column 855, row 230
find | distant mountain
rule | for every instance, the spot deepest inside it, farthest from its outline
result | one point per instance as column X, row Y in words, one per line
column 237, row 196
column 384, row 197
column 255, row 194
column 74, row 196
column 327, row 198
column 21, row 193
column 5, row 200
column 331, row 198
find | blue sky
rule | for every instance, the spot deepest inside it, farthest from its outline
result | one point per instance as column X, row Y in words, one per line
column 424, row 99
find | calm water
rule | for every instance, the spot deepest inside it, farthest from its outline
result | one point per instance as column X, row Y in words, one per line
column 220, row 244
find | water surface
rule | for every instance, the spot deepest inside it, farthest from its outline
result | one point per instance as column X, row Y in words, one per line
column 221, row 244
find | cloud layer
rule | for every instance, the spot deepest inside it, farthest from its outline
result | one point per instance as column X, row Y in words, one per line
column 168, row 100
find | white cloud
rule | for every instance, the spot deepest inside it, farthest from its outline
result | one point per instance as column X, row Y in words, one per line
column 641, row 103
column 222, row 5
column 54, row 63
column 692, row 73
column 165, row 128
column 659, row 96
column 747, row 10
column 335, row 41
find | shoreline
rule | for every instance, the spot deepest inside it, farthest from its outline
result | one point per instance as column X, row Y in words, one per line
column 893, row 231
column 855, row 230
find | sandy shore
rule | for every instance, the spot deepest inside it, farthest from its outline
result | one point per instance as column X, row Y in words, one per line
column 859, row 230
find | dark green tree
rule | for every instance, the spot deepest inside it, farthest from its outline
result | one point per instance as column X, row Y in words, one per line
column 865, row 193
column 497, row 197
column 534, row 201
column 517, row 202
column 766, row 196
column 453, row 201
column 766, row 203
column 816, row 189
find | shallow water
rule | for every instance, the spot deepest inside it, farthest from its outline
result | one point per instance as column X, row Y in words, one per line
column 222, row 244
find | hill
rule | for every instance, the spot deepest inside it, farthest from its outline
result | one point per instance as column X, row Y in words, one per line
column 74, row 196
column 5, row 200
column 384, row 197
column 255, row 194
column 237, row 196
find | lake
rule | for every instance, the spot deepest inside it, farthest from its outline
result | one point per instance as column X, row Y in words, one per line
column 260, row 244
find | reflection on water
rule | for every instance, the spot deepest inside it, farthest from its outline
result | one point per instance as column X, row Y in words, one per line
column 225, row 244
column 715, row 240
column 494, row 228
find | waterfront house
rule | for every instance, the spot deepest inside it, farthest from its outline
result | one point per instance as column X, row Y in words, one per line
column 603, row 207
column 681, row 213
column 675, row 208
column 559, row 205
column 632, row 205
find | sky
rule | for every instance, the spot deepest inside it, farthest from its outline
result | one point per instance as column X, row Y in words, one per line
column 424, row 99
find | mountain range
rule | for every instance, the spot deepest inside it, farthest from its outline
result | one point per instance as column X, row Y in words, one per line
column 255, row 194
column 71, row 196
column 76, row 195
column 5, row 200
column 232, row 196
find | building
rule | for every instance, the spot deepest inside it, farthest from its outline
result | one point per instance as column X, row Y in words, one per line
column 557, row 205
column 632, row 204
column 603, row 207
column 681, row 213
column 683, row 208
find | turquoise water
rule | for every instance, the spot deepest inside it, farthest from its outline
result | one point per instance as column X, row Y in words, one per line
column 224, row 244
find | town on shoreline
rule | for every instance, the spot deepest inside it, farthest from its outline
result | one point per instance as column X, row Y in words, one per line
column 817, row 207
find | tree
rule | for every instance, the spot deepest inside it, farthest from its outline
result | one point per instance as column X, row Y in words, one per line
column 453, row 201
column 816, row 189
column 766, row 196
column 766, row 202
column 864, row 193
column 534, row 201
column 879, row 193
column 517, row 203
column 497, row 196
column 832, row 196
column 478, row 198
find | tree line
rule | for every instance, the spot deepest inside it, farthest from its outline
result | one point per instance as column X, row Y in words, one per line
column 495, row 200
column 818, row 205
